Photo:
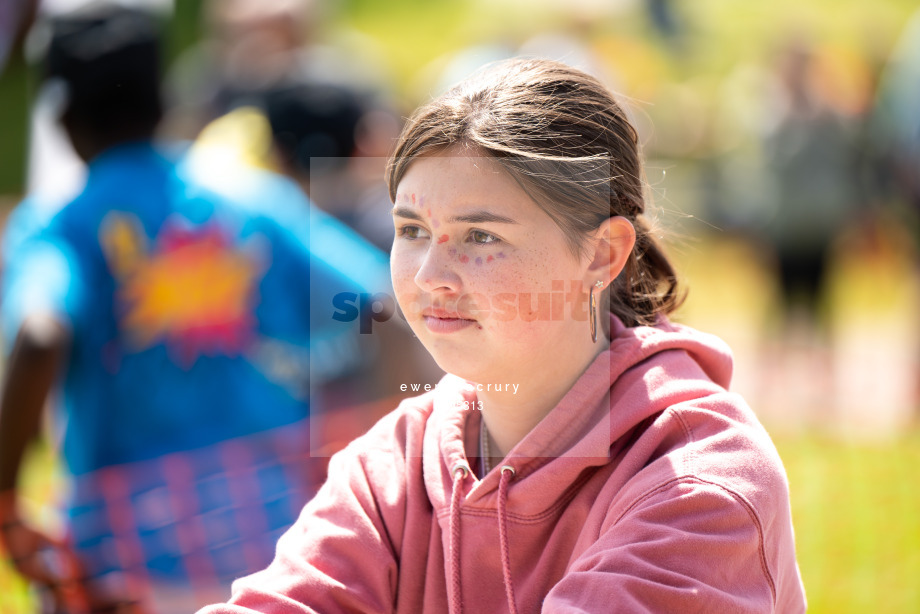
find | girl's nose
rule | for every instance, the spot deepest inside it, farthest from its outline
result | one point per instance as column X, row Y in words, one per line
column 437, row 272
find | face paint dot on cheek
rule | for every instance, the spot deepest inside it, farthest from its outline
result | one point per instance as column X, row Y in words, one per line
column 435, row 223
column 442, row 239
column 501, row 254
column 452, row 251
column 464, row 258
column 429, row 213
column 413, row 199
column 479, row 261
column 490, row 258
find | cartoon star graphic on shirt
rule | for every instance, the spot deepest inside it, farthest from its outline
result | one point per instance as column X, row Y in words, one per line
column 192, row 289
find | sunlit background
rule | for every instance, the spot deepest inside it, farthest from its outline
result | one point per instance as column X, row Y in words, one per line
column 779, row 138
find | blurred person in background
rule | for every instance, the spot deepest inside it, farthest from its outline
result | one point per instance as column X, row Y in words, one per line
column 811, row 165
column 54, row 170
column 264, row 91
column 333, row 144
column 178, row 317
column 329, row 102
column 894, row 137
column 896, row 122
column 669, row 23
column 252, row 46
column 310, row 133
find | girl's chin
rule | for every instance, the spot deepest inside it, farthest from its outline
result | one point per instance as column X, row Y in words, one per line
column 468, row 367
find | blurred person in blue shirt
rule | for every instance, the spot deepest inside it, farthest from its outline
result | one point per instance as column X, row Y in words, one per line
column 176, row 314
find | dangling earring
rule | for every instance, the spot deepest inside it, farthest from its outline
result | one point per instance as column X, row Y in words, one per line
column 592, row 316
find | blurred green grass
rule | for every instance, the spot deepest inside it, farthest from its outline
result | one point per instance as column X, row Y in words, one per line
column 855, row 509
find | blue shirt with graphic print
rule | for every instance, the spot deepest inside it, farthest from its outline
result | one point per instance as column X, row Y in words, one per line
column 193, row 303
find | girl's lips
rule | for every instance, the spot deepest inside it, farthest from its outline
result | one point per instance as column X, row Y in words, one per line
column 446, row 324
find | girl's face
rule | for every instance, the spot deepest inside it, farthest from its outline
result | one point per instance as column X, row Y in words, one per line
column 484, row 277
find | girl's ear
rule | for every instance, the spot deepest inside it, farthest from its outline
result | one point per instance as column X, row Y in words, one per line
column 612, row 243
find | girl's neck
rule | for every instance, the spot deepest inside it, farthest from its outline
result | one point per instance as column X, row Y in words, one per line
column 510, row 415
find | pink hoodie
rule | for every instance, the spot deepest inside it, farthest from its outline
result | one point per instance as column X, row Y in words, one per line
column 648, row 488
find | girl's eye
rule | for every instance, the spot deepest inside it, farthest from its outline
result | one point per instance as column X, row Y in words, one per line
column 482, row 238
column 412, row 232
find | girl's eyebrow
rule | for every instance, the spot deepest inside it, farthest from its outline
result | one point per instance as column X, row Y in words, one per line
column 407, row 213
column 474, row 217
column 480, row 217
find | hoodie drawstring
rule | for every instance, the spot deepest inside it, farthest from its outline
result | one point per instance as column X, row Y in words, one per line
column 461, row 470
column 506, row 477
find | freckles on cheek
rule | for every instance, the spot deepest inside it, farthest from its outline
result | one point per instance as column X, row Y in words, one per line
column 403, row 271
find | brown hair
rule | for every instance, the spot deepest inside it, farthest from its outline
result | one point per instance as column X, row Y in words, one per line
column 567, row 141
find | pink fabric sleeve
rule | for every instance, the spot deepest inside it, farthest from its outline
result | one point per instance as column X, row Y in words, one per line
column 688, row 546
column 340, row 555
